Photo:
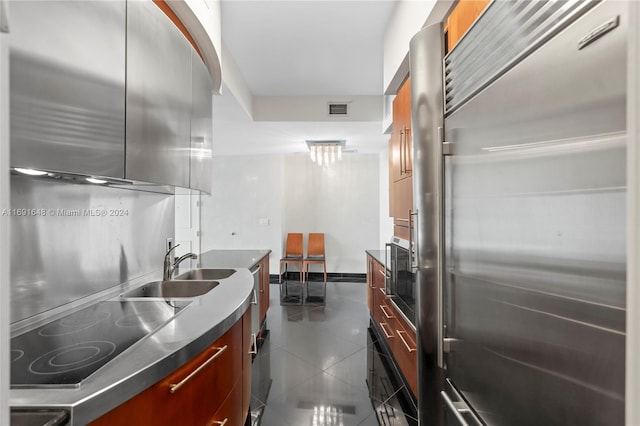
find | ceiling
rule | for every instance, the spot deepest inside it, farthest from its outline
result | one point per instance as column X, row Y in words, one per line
column 304, row 49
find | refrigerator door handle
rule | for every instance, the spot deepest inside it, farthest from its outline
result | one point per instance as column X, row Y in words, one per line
column 387, row 248
column 459, row 407
column 455, row 408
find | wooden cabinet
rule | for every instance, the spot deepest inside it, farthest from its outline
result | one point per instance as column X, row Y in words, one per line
column 461, row 18
column 197, row 392
column 397, row 331
column 401, row 162
column 376, row 291
column 404, row 347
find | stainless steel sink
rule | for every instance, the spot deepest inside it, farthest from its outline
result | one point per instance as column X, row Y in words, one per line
column 172, row 289
column 207, row 274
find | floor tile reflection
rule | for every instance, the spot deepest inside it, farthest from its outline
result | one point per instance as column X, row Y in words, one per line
column 312, row 368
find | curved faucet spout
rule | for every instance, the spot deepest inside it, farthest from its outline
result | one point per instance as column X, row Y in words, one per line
column 169, row 268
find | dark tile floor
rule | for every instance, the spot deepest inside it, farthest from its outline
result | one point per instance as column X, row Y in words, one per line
column 312, row 368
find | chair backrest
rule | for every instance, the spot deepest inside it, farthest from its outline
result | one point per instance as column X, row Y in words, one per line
column 316, row 245
column 294, row 245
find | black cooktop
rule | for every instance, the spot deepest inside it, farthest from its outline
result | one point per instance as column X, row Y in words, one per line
column 66, row 351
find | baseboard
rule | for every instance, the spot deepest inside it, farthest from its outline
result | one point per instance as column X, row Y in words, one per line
column 332, row 277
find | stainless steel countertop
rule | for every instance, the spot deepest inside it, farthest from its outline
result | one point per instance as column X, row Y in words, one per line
column 377, row 255
column 232, row 258
column 197, row 326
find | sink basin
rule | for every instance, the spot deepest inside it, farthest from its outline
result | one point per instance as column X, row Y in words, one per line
column 173, row 288
column 207, row 274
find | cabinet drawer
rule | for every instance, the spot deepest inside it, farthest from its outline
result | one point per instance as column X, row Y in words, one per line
column 405, row 351
column 193, row 393
column 214, row 381
column 230, row 412
column 387, row 321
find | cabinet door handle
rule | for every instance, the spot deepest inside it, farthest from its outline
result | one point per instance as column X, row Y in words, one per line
column 406, row 345
column 408, row 157
column 255, row 298
column 385, row 312
column 384, row 330
column 256, row 271
column 254, row 344
column 173, row 388
column 221, row 423
column 401, row 152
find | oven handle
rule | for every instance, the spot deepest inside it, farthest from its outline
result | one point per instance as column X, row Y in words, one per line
column 413, row 254
column 387, row 248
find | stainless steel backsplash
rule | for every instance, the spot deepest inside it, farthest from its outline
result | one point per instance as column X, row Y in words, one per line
column 80, row 240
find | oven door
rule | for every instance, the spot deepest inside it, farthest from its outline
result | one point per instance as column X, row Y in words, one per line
column 402, row 281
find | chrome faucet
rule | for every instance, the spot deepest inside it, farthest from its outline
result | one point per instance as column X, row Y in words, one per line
column 169, row 268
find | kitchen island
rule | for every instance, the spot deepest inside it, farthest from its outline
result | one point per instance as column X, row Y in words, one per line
column 181, row 340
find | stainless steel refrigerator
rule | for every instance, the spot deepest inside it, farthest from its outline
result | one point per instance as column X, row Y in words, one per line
column 520, row 187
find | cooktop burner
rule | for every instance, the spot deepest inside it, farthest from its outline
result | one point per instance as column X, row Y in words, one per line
column 65, row 352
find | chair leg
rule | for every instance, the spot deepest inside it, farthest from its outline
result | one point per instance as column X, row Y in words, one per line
column 324, row 267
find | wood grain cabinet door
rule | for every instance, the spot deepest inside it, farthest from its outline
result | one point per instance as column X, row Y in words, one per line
column 216, row 379
column 193, row 393
column 230, row 412
column 461, row 18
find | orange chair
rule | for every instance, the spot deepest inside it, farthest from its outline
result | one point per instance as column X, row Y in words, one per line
column 315, row 254
column 292, row 253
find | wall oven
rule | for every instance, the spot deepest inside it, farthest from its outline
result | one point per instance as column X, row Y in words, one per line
column 401, row 285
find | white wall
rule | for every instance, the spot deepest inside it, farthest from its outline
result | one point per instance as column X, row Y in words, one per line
column 244, row 210
column 342, row 200
column 257, row 199
column 407, row 19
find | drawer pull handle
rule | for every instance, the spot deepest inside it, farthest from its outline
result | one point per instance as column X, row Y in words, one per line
column 174, row 388
column 254, row 344
column 221, row 423
column 384, row 330
column 385, row 312
column 404, row 341
column 384, row 291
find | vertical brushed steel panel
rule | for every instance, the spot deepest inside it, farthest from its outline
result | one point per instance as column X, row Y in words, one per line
column 201, row 126
column 65, row 254
column 67, row 62
column 427, row 112
column 536, row 257
column 158, row 97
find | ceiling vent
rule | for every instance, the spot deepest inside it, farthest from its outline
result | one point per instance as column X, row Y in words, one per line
column 338, row 109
